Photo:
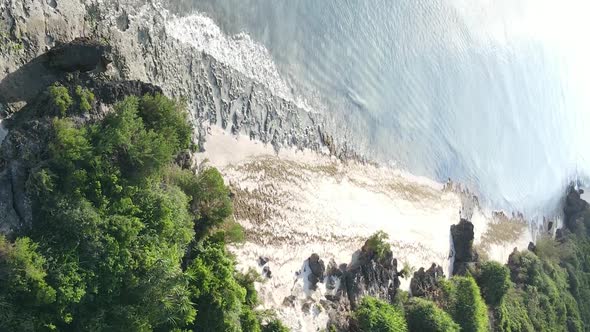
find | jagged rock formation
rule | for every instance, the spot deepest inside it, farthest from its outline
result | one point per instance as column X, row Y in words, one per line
column 23, row 149
column 367, row 275
column 425, row 282
column 465, row 256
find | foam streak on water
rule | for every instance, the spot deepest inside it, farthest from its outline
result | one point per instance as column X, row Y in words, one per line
column 239, row 52
column 492, row 94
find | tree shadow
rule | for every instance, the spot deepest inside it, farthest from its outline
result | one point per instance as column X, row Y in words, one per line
column 25, row 83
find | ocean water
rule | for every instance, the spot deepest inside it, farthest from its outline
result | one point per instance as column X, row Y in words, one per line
column 493, row 94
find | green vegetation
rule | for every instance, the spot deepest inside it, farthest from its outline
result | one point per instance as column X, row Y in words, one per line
column 85, row 98
column 374, row 315
column 465, row 304
column 377, row 244
column 494, row 281
column 122, row 239
column 426, row 316
column 274, row 325
column 60, row 98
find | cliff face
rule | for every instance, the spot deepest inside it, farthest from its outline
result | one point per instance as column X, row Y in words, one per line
column 143, row 50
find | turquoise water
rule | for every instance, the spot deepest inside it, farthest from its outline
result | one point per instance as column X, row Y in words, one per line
column 493, row 94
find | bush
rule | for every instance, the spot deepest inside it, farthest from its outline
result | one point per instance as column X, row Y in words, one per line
column 60, row 98
column 511, row 315
column 466, row 305
column 85, row 98
column 374, row 315
column 494, row 281
column 425, row 316
column 377, row 244
column 274, row 325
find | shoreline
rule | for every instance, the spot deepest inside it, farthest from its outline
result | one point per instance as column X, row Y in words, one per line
column 295, row 203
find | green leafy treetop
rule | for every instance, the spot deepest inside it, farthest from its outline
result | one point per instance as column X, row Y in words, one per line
column 374, row 315
column 121, row 237
column 425, row 316
column 494, row 281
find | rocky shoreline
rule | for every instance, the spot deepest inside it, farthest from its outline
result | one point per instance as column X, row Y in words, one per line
column 131, row 47
column 142, row 50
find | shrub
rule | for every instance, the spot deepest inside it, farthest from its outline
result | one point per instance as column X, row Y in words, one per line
column 511, row 314
column 377, row 244
column 466, row 305
column 494, row 281
column 85, row 98
column 60, row 98
column 425, row 316
column 374, row 315
column 274, row 325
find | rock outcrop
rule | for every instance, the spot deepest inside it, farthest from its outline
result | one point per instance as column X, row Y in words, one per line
column 347, row 285
column 574, row 208
column 464, row 254
column 81, row 54
column 318, row 268
column 425, row 283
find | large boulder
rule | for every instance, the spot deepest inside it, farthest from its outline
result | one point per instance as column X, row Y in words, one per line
column 465, row 256
column 81, row 54
column 574, row 208
column 318, row 268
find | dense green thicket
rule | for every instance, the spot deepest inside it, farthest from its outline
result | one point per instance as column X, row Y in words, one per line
column 374, row 315
column 424, row 315
column 494, row 281
column 122, row 239
column 465, row 304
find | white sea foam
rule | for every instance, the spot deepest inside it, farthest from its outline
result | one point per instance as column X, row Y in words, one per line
column 239, row 52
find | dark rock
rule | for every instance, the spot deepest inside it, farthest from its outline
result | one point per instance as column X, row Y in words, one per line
column 463, row 235
column 425, row 282
column 110, row 92
column 559, row 235
column 262, row 260
column 81, row 54
column 266, row 272
column 371, row 278
column 532, row 247
column 289, row 301
column 573, row 209
column 333, row 269
column 313, row 281
column 550, row 226
column 306, row 307
column 317, row 266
